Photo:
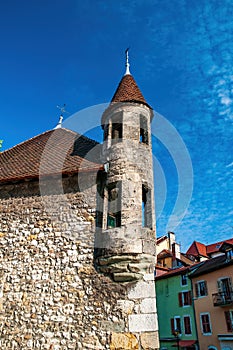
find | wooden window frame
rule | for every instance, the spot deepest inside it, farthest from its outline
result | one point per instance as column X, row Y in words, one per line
column 185, row 298
column 205, row 323
column 187, row 325
column 199, row 286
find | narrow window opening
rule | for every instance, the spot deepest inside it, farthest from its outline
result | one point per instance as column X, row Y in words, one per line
column 143, row 130
column 117, row 128
column 116, row 131
column 114, row 205
column 146, row 207
column 106, row 129
column 101, row 186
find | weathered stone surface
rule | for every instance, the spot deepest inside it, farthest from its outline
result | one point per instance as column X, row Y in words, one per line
column 51, row 296
column 149, row 341
column 143, row 290
column 148, row 305
column 143, row 323
column 123, row 341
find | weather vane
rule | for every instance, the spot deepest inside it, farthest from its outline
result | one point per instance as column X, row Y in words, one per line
column 62, row 109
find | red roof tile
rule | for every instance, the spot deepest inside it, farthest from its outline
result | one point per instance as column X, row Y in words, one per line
column 197, row 249
column 212, row 248
column 52, row 152
column 128, row 91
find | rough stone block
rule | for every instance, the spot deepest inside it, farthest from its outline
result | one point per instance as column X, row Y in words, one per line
column 143, row 323
column 149, row 341
column 148, row 305
column 123, row 341
column 142, row 290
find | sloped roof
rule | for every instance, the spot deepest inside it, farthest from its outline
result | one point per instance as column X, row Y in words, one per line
column 161, row 239
column 212, row 265
column 213, row 248
column 165, row 253
column 173, row 272
column 128, row 91
column 49, row 153
column 200, row 249
column 197, row 249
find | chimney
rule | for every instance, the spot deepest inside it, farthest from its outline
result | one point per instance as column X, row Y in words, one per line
column 171, row 239
column 175, row 251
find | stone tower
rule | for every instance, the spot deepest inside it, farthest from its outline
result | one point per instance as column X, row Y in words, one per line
column 125, row 233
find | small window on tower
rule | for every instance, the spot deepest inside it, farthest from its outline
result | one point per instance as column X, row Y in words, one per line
column 146, row 207
column 114, row 205
column 106, row 129
column 143, row 130
column 117, row 127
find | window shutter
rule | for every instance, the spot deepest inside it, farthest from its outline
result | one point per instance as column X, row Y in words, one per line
column 180, row 299
column 206, row 290
column 187, row 325
column 196, row 290
column 230, row 283
column 228, row 321
column 172, row 325
column 219, row 282
column 189, row 298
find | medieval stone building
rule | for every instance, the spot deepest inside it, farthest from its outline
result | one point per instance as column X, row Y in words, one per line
column 77, row 235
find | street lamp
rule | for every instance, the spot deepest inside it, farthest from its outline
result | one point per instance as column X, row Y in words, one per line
column 176, row 334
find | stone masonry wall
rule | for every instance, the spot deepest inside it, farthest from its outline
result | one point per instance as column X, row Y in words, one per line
column 51, row 296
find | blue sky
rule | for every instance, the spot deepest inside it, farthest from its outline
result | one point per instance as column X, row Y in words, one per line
column 181, row 55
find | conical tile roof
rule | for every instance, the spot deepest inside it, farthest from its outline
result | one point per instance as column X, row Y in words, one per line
column 128, row 91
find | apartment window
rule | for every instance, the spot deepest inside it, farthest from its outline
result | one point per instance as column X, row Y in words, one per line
column 143, row 130
column 229, row 320
column 175, row 324
column 114, row 205
column 187, row 325
column 201, row 289
column 184, row 280
column 225, row 286
column 146, row 207
column 205, row 324
column 185, row 298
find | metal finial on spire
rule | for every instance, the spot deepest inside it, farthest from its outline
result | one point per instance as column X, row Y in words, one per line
column 127, row 61
column 63, row 110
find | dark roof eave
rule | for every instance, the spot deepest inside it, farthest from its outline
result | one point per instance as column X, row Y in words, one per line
column 211, row 269
column 36, row 177
column 112, row 105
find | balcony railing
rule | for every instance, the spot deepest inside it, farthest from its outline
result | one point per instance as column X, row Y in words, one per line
column 222, row 298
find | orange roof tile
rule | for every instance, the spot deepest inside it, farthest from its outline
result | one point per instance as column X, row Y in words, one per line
column 52, row 152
